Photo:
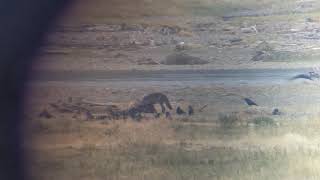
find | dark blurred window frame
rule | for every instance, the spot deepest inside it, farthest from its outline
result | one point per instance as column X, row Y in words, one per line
column 24, row 24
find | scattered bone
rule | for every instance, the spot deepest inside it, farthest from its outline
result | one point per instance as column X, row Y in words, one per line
column 251, row 29
column 169, row 30
column 203, row 107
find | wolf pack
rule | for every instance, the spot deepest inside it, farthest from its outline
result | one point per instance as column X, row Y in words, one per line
column 147, row 105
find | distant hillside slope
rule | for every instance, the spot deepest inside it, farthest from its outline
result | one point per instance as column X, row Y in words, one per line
column 100, row 10
column 97, row 10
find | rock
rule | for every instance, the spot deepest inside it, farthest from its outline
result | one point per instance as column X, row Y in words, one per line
column 305, row 5
column 204, row 26
column 227, row 18
column 227, row 29
column 276, row 112
column 119, row 55
column 250, row 29
column 264, row 46
column 261, row 55
column 181, row 46
column 185, row 33
column 147, row 61
column 276, row 55
column 308, row 19
column 183, row 59
column 131, row 27
column 263, row 51
column 235, row 40
column 247, row 30
column 173, row 41
column 250, row 124
column 85, row 116
column 250, row 102
column 152, row 43
column 169, row 30
column 99, row 28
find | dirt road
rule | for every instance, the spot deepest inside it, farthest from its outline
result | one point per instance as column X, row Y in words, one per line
column 170, row 78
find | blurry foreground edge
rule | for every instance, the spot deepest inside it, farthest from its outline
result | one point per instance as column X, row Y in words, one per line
column 23, row 26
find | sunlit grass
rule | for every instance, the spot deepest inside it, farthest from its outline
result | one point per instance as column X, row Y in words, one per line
column 178, row 150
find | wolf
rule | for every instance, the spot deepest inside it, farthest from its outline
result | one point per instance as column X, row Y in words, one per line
column 156, row 98
column 146, row 105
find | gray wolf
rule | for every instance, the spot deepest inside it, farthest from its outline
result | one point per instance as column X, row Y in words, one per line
column 146, row 105
column 156, row 98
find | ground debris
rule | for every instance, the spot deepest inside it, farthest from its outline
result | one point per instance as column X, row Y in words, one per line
column 45, row 114
column 169, row 30
column 182, row 46
column 251, row 29
column 261, row 55
column 82, row 110
column 147, row 61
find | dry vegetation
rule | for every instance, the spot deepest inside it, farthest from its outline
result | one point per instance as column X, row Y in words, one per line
column 247, row 144
column 161, row 149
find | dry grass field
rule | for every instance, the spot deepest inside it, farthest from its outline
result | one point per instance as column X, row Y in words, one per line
column 244, row 144
column 162, row 149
